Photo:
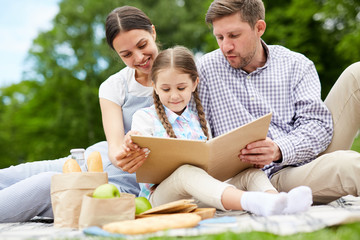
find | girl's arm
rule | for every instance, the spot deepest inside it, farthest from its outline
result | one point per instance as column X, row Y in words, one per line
column 114, row 132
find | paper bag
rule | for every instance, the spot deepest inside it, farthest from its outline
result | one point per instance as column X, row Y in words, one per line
column 98, row 212
column 67, row 191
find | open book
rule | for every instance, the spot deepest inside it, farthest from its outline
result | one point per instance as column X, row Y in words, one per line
column 217, row 156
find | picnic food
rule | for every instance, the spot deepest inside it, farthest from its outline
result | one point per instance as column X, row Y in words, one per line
column 94, row 162
column 71, row 165
column 106, row 190
column 153, row 224
column 179, row 206
column 205, row 213
column 142, row 204
column 172, row 207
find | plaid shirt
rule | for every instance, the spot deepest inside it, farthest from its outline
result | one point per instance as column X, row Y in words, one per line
column 287, row 85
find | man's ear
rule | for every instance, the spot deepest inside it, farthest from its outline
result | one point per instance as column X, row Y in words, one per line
column 260, row 27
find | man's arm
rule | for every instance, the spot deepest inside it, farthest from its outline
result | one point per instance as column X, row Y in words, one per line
column 311, row 132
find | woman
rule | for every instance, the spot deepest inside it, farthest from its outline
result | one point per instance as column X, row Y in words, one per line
column 132, row 35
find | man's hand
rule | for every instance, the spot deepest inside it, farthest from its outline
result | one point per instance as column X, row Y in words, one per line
column 261, row 153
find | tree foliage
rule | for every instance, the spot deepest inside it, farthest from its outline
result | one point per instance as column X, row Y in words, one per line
column 55, row 107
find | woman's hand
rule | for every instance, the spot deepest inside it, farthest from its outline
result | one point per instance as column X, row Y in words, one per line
column 130, row 156
column 130, row 160
column 261, row 153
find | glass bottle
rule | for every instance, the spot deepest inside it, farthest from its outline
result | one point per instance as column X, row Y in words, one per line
column 78, row 155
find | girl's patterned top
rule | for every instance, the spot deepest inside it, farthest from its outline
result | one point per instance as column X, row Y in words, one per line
column 185, row 126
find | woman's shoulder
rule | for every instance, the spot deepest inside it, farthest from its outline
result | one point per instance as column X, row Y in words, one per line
column 114, row 87
column 120, row 77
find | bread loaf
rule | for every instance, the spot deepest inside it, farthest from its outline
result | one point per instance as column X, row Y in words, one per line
column 94, row 162
column 71, row 165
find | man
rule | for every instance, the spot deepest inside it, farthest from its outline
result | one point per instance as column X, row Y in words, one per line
column 246, row 79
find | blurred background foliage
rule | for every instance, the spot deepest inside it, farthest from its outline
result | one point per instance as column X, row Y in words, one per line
column 55, row 106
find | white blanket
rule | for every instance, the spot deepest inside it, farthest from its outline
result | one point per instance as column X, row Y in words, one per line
column 344, row 210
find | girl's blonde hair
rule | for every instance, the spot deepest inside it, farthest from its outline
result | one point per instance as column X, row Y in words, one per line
column 181, row 59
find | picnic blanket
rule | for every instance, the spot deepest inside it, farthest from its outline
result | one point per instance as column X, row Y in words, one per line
column 344, row 210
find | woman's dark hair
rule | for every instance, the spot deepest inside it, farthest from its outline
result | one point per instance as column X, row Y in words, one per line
column 125, row 18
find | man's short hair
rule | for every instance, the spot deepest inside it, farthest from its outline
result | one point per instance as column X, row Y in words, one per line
column 250, row 10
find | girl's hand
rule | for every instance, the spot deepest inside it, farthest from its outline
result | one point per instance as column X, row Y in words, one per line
column 131, row 156
column 261, row 153
column 128, row 143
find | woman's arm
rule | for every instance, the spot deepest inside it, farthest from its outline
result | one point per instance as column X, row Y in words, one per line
column 113, row 126
column 142, row 124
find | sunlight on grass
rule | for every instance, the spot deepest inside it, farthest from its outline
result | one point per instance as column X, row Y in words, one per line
column 356, row 144
column 346, row 231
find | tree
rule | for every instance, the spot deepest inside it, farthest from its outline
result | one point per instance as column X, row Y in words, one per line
column 55, row 107
column 326, row 31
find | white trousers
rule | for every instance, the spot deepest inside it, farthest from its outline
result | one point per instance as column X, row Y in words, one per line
column 190, row 182
column 25, row 188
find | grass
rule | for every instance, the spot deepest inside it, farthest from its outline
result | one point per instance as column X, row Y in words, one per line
column 356, row 144
column 346, row 231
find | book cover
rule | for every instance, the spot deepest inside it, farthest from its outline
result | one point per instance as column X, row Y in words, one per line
column 217, row 156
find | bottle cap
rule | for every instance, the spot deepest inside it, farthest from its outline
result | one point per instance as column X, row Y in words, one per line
column 77, row 150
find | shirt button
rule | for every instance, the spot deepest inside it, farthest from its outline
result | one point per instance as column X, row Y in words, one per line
column 248, row 77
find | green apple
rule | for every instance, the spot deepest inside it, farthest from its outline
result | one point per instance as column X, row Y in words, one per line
column 142, row 205
column 106, row 190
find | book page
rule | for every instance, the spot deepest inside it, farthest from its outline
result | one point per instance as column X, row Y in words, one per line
column 167, row 154
column 224, row 162
column 218, row 156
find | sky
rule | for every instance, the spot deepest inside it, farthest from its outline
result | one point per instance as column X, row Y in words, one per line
column 20, row 23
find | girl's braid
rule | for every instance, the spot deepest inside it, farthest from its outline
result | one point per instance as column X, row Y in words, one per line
column 162, row 115
column 201, row 114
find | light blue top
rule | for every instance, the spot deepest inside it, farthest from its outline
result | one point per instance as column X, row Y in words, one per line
column 185, row 126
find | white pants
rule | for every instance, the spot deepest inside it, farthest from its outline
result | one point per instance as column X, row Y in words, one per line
column 189, row 182
column 25, row 188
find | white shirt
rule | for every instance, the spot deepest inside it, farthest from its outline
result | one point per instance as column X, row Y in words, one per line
column 113, row 88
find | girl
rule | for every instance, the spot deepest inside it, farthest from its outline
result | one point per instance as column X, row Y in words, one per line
column 175, row 79
column 132, row 35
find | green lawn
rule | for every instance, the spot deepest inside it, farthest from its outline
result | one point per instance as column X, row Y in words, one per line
column 356, row 144
column 346, row 231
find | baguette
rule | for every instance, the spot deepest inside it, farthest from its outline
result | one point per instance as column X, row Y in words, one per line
column 71, row 165
column 153, row 224
column 94, row 162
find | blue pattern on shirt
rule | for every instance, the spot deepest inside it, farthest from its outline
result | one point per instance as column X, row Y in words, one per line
column 287, row 85
column 185, row 126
